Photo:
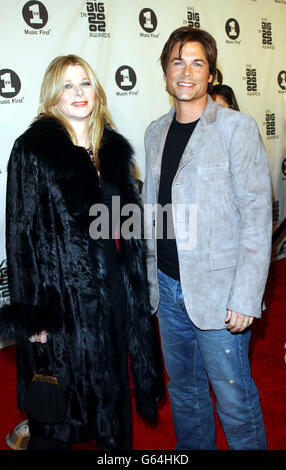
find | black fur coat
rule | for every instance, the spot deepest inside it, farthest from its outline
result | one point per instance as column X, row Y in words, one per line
column 58, row 279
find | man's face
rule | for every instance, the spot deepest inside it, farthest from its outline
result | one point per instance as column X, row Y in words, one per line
column 187, row 77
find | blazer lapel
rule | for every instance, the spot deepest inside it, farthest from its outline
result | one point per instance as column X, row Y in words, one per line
column 193, row 146
column 200, row 133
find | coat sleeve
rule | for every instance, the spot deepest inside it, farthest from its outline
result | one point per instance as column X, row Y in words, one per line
column 30, row 300
column 253, row 199
column 149, row 202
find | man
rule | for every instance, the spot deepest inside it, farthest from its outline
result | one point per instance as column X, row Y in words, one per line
column 209, row 292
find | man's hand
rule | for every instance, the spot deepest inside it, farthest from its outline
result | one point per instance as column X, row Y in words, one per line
column 41, row 337
column 236, row 322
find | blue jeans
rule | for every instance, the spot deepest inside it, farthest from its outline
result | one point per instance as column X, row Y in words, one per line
column 194, row 359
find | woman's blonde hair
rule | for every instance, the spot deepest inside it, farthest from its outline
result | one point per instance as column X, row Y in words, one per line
column 52, row 89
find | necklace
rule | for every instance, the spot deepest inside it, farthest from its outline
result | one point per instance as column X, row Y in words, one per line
column 90, row 153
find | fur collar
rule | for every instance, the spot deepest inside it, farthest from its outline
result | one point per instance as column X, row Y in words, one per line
column 49, row 142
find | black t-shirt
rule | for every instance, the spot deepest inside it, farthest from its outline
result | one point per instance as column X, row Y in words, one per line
column 176, row 141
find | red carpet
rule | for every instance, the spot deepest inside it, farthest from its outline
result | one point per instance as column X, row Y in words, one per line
column 268, row 358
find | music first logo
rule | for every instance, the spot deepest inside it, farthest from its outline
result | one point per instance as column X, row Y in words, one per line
column 270, row 125
column 10, row 86
column 96, row 17
column 281, row 79
column 283, row 169
column 36, row 16
column 126, row 80
column 148, row 22
column 232, row 30
column 193, row 18
column 251, row 80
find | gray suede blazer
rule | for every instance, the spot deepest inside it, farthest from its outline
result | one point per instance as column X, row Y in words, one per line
column 223, row 180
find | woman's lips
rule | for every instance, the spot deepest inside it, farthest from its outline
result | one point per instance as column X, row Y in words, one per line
column 79, row 104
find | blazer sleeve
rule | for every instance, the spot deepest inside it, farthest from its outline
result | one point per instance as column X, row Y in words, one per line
column 253, row 199
column 30, row 309
column 148, row 195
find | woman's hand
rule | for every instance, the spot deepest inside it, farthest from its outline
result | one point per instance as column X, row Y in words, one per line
column 41, row 337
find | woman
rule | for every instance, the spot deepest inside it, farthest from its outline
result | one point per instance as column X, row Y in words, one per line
column 86, row 297
column 224, row 95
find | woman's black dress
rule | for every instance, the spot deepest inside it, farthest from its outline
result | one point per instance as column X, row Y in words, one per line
column 118, row 307
column 117, row 298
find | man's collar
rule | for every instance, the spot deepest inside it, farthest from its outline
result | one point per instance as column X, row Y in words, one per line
column 210, row 111
column 208, row 115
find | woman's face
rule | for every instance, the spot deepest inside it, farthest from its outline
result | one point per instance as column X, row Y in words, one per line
column 78, row 98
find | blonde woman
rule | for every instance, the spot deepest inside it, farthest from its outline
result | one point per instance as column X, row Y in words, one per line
column 85, row 297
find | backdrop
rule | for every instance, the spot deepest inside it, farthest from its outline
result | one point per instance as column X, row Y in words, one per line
column 122, row 40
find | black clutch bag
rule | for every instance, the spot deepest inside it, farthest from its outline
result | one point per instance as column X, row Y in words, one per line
column 44, row 400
